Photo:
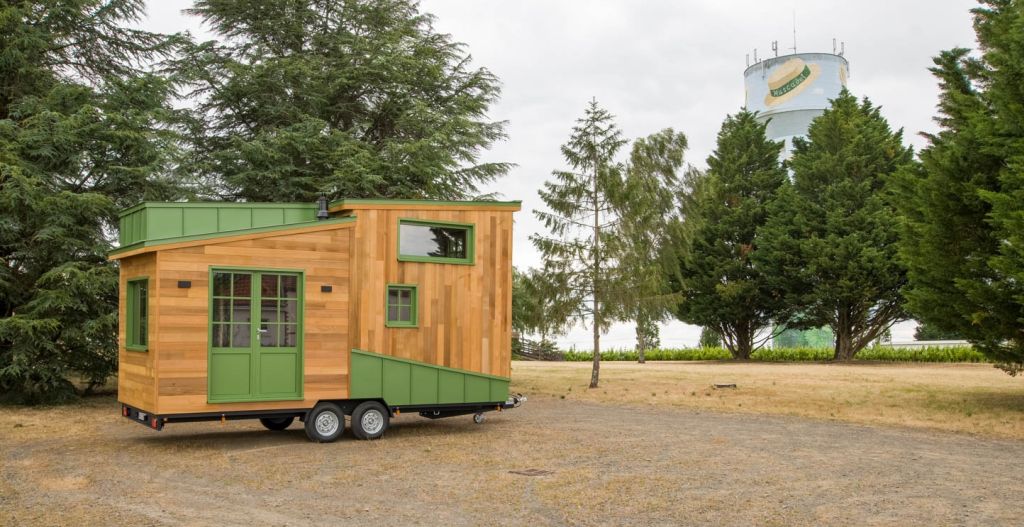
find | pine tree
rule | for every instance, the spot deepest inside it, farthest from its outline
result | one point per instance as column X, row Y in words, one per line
column 829, row 245
column 646, row 206
column 355, row 98
column 581, row 254
column 722, row 286
column 84, row 131
column 962, row 240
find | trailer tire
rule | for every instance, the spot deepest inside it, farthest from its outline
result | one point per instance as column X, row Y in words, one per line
column 325, row 423
column 370, row 420
column 276, row 423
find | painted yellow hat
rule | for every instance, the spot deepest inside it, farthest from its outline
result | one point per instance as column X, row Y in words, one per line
column 789, row 79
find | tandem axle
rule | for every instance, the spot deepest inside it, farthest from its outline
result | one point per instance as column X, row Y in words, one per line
column 325, row 422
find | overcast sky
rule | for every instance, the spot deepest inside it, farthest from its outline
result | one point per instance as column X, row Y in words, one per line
column 667, row 63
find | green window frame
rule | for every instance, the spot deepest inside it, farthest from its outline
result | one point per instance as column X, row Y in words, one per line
column 467, row 250
column 137, row 331
column 401, row 306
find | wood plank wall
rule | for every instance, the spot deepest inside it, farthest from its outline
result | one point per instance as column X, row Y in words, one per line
column 183, row 315
column 465, row 311
column 136, row 376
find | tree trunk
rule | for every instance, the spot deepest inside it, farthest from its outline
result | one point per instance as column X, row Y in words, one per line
column 641, row 342
column 743, row 347
column 595, row 374
column 844, row 345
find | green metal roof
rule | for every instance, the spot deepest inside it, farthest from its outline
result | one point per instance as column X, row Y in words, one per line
column 155, row 221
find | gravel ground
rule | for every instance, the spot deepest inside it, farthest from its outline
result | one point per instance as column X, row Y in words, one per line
column 609, row 465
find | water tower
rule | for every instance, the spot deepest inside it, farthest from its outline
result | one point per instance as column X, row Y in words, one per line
column 789, row 91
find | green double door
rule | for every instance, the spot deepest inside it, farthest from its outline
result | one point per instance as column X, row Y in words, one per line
column 255, row 336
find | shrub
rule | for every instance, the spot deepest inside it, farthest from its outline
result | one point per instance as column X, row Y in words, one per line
column 928, row 354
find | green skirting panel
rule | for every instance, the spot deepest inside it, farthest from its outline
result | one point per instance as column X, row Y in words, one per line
column 403, row 382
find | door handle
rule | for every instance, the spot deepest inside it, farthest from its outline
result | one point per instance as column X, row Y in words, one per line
column 263, row 330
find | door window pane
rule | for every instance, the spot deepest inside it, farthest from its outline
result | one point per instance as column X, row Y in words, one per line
column 268, row 311
column 268, row 286
column 242, row 285
column 221, row 284
column 289, row 286
column 268, row 336
column 221, row 336
column 241, row 310
column 240, row 335
column 289, row 335
column 289, row 311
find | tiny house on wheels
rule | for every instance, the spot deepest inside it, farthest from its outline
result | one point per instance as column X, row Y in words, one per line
column 277, row 311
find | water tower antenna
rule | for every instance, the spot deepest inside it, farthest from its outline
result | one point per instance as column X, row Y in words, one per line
column 794, row 30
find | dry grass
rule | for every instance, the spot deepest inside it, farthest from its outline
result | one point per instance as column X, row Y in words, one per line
column 634, row 456
column 972, row 398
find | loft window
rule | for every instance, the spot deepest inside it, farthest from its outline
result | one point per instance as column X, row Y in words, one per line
column 438, row 242
column 401, row 306
column 137, row 332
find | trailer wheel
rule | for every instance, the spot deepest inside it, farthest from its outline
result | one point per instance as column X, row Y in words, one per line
column 325, row 423
column 276, row 423
column 478, row 418
column 369, row 420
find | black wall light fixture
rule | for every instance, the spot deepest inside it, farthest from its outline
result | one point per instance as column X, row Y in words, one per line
column 326, row 288
column 184, row 284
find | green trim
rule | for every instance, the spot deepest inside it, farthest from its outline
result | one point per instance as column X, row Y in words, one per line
column 135, row 340
column 226, row 234
column 359, row 201
column 470, row 258
column 255, row 298
column 415, row 362
column 215, row 204
column 413, row 308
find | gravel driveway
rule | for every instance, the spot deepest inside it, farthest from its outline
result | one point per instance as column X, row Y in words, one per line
column 609, row 465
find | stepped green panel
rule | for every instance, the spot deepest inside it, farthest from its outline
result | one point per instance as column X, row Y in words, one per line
column 397, row 383
column 297, row 215
column 163, row 223
column 267, row 217
column 451, row 387
column 402, row 382
column 478, row 389
column 366, row 377
column 200, row 221
column 424, row 385
column 234, row 219
column 499, row 390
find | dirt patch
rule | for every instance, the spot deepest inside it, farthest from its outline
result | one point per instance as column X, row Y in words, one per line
column 595, row 464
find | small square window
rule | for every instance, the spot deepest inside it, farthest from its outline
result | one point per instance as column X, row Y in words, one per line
column 401, row 309
column 137, row 331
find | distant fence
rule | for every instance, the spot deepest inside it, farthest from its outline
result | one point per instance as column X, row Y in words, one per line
column 525, row 349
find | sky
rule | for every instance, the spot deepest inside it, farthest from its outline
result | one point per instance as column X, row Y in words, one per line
column 665, row 63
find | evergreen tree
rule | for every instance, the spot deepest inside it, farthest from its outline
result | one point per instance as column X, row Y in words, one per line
column 355, row 98
column 709, row 338
column 646, row 206
column 926, row 331
column 723, row 288
column 829, row 245
column 84, row 131
column 534, row 310
column 582, row 252
column 962, row 238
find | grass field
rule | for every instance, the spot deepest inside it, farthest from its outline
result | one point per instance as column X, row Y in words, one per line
column 973, row 398
column 656, row 445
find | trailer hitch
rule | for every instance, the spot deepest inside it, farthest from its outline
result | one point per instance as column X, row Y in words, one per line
column 514, row 401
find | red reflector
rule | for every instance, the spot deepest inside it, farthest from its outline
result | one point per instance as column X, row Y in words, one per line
column 152, row 422
column 124, row 411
